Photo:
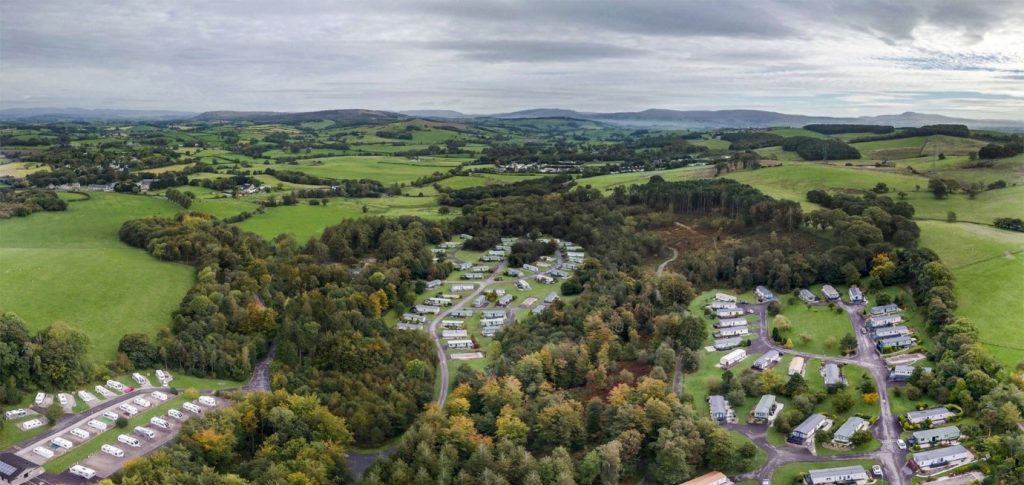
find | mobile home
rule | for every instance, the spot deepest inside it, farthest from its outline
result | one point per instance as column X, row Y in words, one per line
column 112, row 450
column 732, row 358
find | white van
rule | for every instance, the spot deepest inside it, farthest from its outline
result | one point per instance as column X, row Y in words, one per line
column 61, row 442
column 192, row 408
column 139, row 430
column 112, row 450
column 80, row 433
column 15, row 414
column 110, row 415
column 100, row 425
column 160, row 423
column 138, row 378
column 128, row 440
column 43, row 452
column 31, row 424
column 159, row 395
column 104, row 391
column 208, row 401
column 83, row 471
column 129, row 409
column 39, row 398
column 174, row 413
column 115, row 385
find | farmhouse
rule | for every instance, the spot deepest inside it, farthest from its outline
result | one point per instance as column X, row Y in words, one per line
column 941, row 457
column 451, row 323
column 728, row 312
column 543, row 278
column 901, row 373
column 933, row 415
column 885, row 309
column 722, row 305
column 767, row 360
column 884, row 320
column 731, row 322
column 434, row 284
column 886, row 332
column 454, row 334
column 727, row 343
column 731, row 332
column 830, row 292
column 522, row 285
column 842, row 475
column 807, row 296
column 805, row 430
column 552, row 296
column 937, row 436
column 463, row 287
column 15, row 470
column 833, row 376
column 764, row 294
column 505, row 300
column 422, row 309
column 732, row 358
column 844, row 435
column 895, row 343
column 725, row 297
column 460, row 344
column 767, row 408
column 720, row 409
column 712, row 478
column 856, row 296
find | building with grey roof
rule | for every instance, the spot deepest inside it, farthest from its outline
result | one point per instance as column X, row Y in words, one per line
column 766, row 409
column 934, row 415
column 937, row 436
column 844, row 435
column 808, row 428
column 941, row 457
column 720, row 409
column 855, row 474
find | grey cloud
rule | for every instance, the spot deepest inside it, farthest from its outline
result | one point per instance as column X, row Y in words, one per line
column 536, row 50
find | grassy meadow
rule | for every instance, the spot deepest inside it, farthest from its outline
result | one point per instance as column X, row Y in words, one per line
column 70, row 266
column 304, row 221
column 387, row 170
column 607, row 183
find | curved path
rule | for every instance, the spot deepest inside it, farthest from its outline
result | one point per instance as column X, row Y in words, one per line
column 886, row 428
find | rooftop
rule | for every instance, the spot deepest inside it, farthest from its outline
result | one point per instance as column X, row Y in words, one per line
column 939, row 453
column 825, row 473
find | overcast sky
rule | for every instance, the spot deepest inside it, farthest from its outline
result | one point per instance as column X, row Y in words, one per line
column 839, row 57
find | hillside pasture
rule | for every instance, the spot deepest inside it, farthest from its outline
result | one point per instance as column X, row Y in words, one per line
column 70, row 266
column 387, row 170
column 20, row 170
column 304, row 221
column 607, row 183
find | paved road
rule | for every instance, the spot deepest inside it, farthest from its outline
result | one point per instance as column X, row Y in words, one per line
column 886, row 429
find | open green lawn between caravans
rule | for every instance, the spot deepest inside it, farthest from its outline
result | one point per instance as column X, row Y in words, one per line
column 70, row 266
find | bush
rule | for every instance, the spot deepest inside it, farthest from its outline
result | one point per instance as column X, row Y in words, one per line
column 122, row 422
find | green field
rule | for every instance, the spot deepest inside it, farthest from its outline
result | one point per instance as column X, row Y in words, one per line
column 482, row 179
column 387, row 170
column 305, row 221
column 20, row 169
column 608, row 182
column 812, row 326
column 70, row 266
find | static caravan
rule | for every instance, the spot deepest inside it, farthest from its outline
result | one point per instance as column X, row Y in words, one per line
column 208, row 401
column 885, row 309
column 493, row 313
column 725, row 297
column 767, row 360
column 80, row 433
column 163, row 376
column 129, row 409
column 732, row 357
column 434, row 284
column 174, row 413
column 139, row 430
column 505, row 300
column 807, row 296
column 110, row 415
column 460, row 344
column 40, row 397
column 104, row 391
column 438, row 301
column 473, row 276
column 15, row 414
column 112, row 450
column 139, row 378
column 808, row 428
column 884, row 320
column 543, row 278
column 128, row 440
column 480, row 301
column 192, row 408
column 43, row 452
column 62, row 443
column 159, row 395
column 85, row 396
column 63, row 399
column 450, row 323
column 732, row 332
column 454, row 334
column 830, row 292
column 159, row 423
column 763, row 294
column 530, row 267
column 856, row 296
column 728, row 312
column 115, row 385
column 727, row 343
column 551, row 297
column 529, row 302
column 539, row 309
column 492, row 322
column 557, row 273
column 796, row 366
column 462, row 313
column 522, row 285
column 422, row 309
column 31, row 424
column 97, row 425
column 513, row 272
column 722, row 305
column 83, row 471
column 142, row 402
column 731, row 322
column 460, row 288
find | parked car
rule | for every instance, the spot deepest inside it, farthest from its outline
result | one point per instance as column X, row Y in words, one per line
column 877, row 470
column 901, row 444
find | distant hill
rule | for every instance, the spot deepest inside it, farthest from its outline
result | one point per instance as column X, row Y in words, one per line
column 436, row 113
column 339, row 116
column 47, row 115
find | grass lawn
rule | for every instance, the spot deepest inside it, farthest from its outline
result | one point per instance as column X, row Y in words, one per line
column 305, row 221
column 961, row 244
column 482, row 179
column 787, row 474
column 608, row 182
column 812, row 326
column 21, row 169
column 70, row 266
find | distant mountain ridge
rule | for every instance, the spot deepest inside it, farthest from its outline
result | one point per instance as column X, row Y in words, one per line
column 650, row 118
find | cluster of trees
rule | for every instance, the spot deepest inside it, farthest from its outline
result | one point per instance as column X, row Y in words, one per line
column 927, row 130
column 266, row 438
column 725, row 197
column 995, row 150
column 53, row 358
column 525, row 251
column 817, row 149
column 538, row 186
column 184, row 199
column 20, row 203
column 1010, row 224
column 835, row 129
column 748, row 140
